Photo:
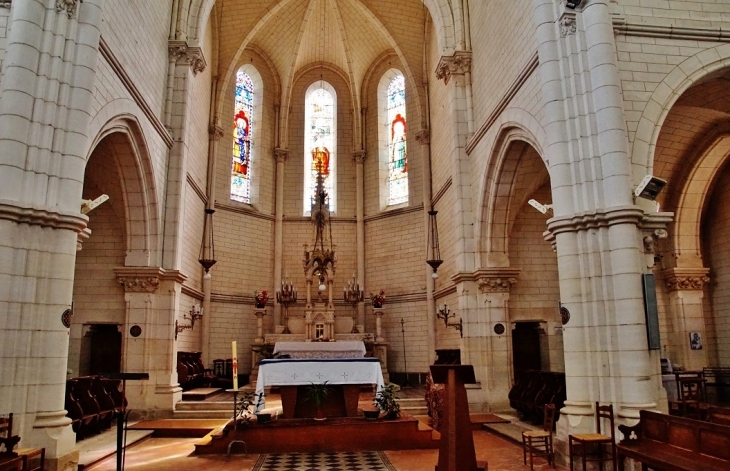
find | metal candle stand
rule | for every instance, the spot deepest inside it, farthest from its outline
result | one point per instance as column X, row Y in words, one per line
column 444, row 313
column 286, row 296
column 353, row 294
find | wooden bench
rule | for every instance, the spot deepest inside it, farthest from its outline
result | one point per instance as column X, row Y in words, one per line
column 672, row 443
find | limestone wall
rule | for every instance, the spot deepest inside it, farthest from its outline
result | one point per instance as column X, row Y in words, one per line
column 4, row 20
column 683, row 13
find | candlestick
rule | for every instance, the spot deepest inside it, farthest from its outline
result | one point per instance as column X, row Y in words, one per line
column 235, row 365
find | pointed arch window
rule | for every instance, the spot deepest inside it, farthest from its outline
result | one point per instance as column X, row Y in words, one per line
column 393, row 137
column 243, row 127
column 320, row 143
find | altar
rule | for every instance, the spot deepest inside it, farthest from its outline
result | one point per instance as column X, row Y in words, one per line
column 342, row 349
column 350, row 373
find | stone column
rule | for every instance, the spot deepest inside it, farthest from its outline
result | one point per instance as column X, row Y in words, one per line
column 685, row 287
column 280, row 155
column 153, row 297
column 259, row 313
column 597, row 224
column 42, row 181
column 359, row 158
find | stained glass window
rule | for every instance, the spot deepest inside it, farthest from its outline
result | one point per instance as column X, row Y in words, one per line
column 397, row 150
column 242, row 139
column 319, row 145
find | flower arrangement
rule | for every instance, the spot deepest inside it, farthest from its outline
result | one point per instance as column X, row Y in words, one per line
column 378, row 299
column 261, row 297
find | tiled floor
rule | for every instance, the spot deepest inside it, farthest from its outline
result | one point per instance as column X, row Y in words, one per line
column 176, row 454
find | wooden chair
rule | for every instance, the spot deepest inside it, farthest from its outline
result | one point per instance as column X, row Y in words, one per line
column 540, row 442
column 14, row 463
column 691, row 399
column 591, row 446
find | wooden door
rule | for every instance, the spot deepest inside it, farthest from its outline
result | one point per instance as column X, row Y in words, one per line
column 106, row 349
column 526, row 347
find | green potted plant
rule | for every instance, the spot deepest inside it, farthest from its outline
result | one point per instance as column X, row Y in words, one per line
column 317, row 394
column 385, row 400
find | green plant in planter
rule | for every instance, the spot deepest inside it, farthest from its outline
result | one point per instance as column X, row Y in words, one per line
column 317, row 394
column 260, row 416
column 385, row 400
column 243, row 410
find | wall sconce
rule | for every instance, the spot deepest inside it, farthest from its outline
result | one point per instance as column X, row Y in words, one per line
column 572, row 4
column 196, row 313
column 207, row 248
column 444, row 313
column 433, row 258
column 543, row 208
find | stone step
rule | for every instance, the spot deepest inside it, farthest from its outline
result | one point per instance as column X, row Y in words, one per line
column 204, row 405
column 203, row 414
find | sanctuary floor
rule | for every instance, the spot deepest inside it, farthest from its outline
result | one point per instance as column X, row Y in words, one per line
column 176, row 454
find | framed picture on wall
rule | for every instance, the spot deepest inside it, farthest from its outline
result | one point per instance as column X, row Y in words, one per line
column 695, row 341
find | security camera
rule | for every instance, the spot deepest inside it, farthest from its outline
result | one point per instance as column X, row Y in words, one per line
column 572, row 3
column 650, row 187
column 543, row 208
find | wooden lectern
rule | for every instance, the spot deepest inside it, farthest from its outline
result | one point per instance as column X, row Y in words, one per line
column 456, row 452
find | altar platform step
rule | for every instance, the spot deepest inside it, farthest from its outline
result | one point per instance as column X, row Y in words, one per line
column 200, row 394
column 330, row 435
column 413, row 405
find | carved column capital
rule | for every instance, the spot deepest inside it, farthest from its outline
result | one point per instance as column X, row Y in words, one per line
column 685, row 279
column 69, row 6
column 568, row 25
column 146, row 279
column 281, row 155
column 496, row 280
column 134, row 284
column 195, row 57
column 423, row 136
column 359, row 156
column 458, row 64
column 176, row 49
column 216, row 132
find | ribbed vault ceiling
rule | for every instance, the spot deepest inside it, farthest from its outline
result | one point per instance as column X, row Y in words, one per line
column 296, row 34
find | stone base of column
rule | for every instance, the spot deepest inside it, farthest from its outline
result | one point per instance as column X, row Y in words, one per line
column 52, row 431
column 67, row 462
column 574, row 418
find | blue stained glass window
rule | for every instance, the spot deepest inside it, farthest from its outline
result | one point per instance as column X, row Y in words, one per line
column 242, row 139
column 397, row 149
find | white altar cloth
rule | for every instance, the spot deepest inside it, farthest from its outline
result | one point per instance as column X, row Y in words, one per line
column 297, row 372
column 341, row 349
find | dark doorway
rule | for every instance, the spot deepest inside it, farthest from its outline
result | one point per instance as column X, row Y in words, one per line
column 105, row 342
column 526, row 347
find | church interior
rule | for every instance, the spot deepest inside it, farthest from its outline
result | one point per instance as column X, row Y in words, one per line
column 532, row 190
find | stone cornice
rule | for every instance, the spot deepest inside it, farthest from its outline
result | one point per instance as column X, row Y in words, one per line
column 136, row 95
column 281, row 155
column 196, row 188
column 10, row 211
column 247, row 210
column 146, row 279
column 601, row 218
column 718, row 34
column 192, row 292
column 423, row 137
column 359, row 156
column 444, row 291
column 388, row 213
column 441, row 191
column 516, row 86
column 685, row 279
column 458, row 64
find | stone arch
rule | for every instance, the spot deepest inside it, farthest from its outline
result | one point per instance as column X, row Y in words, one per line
column 517, row 133
column 666, row 94
column 136, row 175
column 686, row 237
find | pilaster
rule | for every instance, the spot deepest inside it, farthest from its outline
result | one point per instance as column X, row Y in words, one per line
column 455, row 71
column 153, row 296
column 686, row 291
column 281, row 156
column 359, row 158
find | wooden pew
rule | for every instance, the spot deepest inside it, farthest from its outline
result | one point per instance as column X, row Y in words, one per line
column 672, row 443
